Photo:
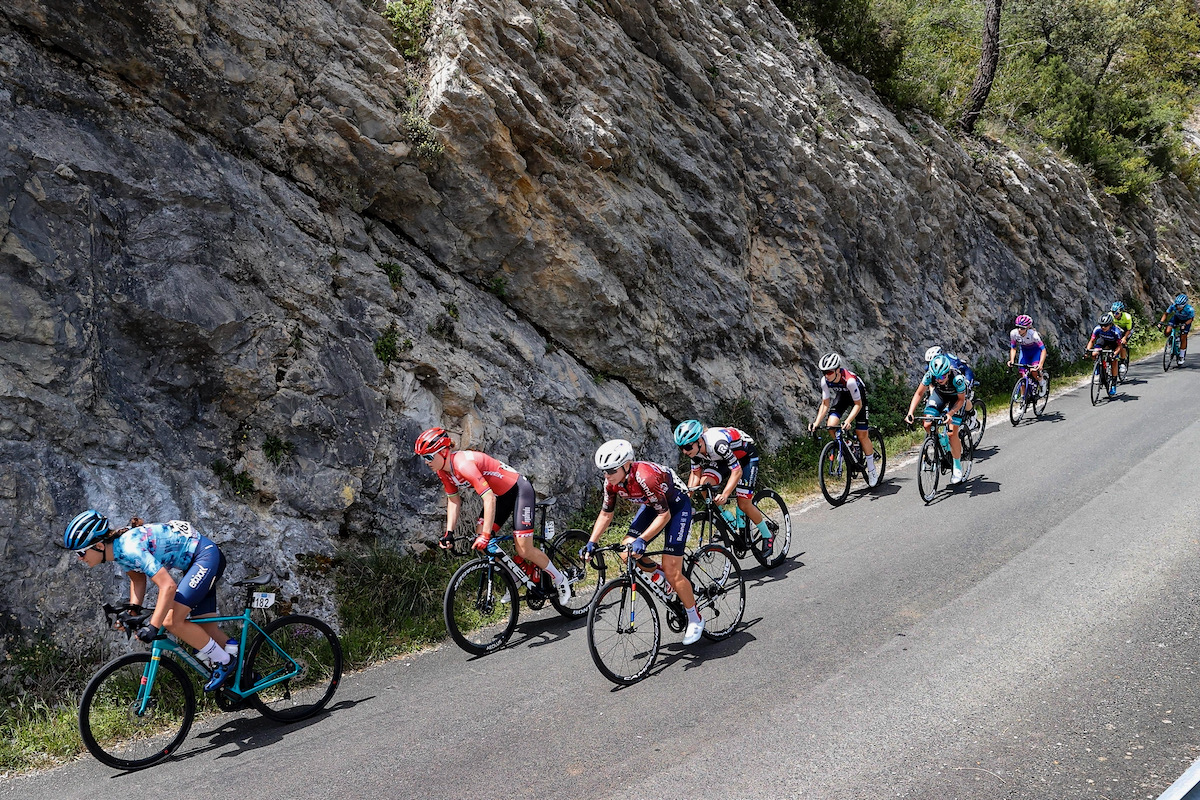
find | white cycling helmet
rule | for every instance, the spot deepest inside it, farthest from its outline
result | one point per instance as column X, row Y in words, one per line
column 613, row 454
column 830, row 361
column 932, row 352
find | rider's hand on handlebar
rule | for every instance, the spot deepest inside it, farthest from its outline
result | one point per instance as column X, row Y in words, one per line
column 586, row 551
column 847, row 425
column 909, row 418
column 637, row 546
column 482, row 541
column 1010, row 363
column 147, row 633
column 447, row 541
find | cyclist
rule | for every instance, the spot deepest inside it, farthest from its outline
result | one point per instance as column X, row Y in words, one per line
column 1033, row 350
column 1107, row 336
column 503, row 491
column 149, row 552
column 1123, row 320
column 664, row 506
column 947, row 392
column 842, row 391
column 968, row 373
column 1181, row 315
column 728, row 457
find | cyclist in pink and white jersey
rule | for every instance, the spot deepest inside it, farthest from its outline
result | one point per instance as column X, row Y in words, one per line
column 501, row 488
column 1033, row 350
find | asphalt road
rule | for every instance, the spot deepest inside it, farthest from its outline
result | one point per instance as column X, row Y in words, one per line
column 1031, row 634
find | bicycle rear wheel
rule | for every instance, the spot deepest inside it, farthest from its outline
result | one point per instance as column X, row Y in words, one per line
column 1097, row 384
column 1042, row 397
column 1016, row 407
column 623, row 631
column 585, row 583
column 834, row 474
column 1123, row 368
column 720, row 592
column 297, row 644
column 928, row 470
column 1169, row 352
column 779, row 522
column 481, row 606
column 109, row 723
column 880, row 453
column 981, row 417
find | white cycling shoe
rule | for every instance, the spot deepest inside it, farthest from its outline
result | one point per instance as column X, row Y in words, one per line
column 694, row 630
column 872, row 475
column 956, row 476
column 564, row 591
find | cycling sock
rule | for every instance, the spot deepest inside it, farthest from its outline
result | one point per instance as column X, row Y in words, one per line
column 214, row 652
column 693, row 614
column 554, row 573
column 870, row 460
column 957, row 464
column 764, row 530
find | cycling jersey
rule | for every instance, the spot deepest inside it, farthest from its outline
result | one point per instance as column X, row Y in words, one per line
column 1107, row 338
column 1123, row 321
column 1031, row 338
column 477, row 470
column 1177, row 313
column 847, row 390
column 646, row 484
column 953, row 385
column 726, row 446
column 149, row 548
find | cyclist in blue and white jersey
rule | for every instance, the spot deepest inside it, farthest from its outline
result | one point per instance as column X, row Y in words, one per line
column 844, row 398
column 724, row 456
column 1181, row 315
column 968, row 373
column 1107, row 336
column 1033, row 350
column 947, row 393
column 147, row 552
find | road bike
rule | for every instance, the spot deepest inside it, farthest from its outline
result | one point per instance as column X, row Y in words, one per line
column 977, row 419
column 1171, row 354
column 936, row 458
column 737, row 533
column 1027, row 393
column 138, row 708
column 1102, row 376
column 482, row 600
column 842, row 458
column 623, row 629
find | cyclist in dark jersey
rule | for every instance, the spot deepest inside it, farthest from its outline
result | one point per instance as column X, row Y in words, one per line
column 1107, row 336
column 724, row 457
column 947, row 392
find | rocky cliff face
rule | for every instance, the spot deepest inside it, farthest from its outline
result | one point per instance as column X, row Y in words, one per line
column 573, row 220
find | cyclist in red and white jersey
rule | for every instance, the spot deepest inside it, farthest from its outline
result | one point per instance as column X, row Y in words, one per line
column 501, row 488
column 664, row 506
column 844, row 398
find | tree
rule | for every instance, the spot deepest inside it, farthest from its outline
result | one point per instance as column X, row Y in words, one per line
column 989, row 59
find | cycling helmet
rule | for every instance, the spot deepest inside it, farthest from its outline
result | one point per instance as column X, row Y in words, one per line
column 939, row 366
column 613, row 454
column 688, row 431
column 1181, row 299
column 830, row 361
column 1117, row 307
column 85, row 530
column 432, row 441
column 1023, row 321
column 1107, row 319
column 931, row 352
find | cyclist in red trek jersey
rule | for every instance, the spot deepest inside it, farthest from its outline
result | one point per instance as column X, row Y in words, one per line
column 503, row 491
column 665, row 505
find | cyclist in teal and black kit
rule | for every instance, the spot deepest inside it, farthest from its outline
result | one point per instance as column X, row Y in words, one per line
column 947, row 392
column 724, row 457
column 1181, row 315
column 147, row 552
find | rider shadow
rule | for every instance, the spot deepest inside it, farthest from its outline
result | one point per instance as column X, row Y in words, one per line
column 763, row 576
column 984, row 453
column 1052, row 416
column 976, row 486
column 694, row 656
column 1124, row 398
column 540, row 632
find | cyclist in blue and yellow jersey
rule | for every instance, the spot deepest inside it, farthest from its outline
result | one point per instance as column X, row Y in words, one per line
column 1123, row 320
column 947, row 393
column 724, row 457
column 844, row 399
column 147, row 552
column 1181, row 315
column 968, row 373
column 1033, row 350
column 665, row 506
column 1107, row 336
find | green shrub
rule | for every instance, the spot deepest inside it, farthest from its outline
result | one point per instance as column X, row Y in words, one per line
column 386, row 349
column 276, row 449
column 239, row 482
column 410, row 24
column 394, row 274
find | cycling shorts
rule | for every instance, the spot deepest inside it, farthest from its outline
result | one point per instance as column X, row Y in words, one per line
column 522, row 499
column 719, row 473
column 937, row 405
column 1030, row 355
column 861, row 422
column 197, row 588
column 677, row 529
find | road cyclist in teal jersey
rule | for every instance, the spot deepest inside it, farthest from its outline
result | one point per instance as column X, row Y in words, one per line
column 148, row 552
column 844, row 399
column 972, row 420
column 947, row 389
column 1108, row 336
column 1179, row 316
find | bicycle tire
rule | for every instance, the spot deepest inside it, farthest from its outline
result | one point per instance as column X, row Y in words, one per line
column 779, row 521
column 877, row 444
column 114, row 733
column 1123, row 369
column 716, row 579
column 1168, row 352
column 928, row 471
column 481, row 606
column 981, row 416
column 1016, row 407
column 1097, row 384
column 585, row 583
column 623, row 631
column 1042, row 397
column 834, row 474
column 295, row 642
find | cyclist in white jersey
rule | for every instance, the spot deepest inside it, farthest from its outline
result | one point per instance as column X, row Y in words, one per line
column 844, row 398
column 1033, row 350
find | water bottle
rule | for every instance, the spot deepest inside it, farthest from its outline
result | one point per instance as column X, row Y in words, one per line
column 729, row 517
column 945, row 439
column 231, row 647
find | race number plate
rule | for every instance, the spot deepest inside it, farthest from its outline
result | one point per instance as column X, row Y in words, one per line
column 263, row 599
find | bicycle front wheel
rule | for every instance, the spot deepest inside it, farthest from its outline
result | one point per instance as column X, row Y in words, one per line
column 834, row 475
column 880, row 453
column 585, row 583
column 928, row 470
column 307, row 650
column 118, row 730
column 779, row 522
column 720, row 592
column 481, row 606
column 981, row 418
column 1168, row 353
column 1016, row 407
column 1097, row 384
column 623, row 631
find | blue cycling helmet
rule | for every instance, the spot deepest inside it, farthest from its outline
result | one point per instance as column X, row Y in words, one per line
column 1181, row 299
column 939, row 367
column 85, row 530
column 1117, row 307
column 688, row 431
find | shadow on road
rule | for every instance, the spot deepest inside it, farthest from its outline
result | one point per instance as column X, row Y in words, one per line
column 976, row 486
column 984, row 453
column 757, row 575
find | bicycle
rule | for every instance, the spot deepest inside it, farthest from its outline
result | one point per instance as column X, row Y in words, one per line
column 138, row 708
column 936, row 458
column 740, row 535
column 978, row 413
column 482, row 603
column 1171, row 354
column 1102, row 376
column 623, row 629
column 842, row 458
column 1027, row 393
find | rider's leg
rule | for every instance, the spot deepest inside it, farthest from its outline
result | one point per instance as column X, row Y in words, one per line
column 673, row 567
column 955, row 443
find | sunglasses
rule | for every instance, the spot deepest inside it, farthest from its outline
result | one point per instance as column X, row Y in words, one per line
column 429, row 457
column 687, row 448
column 612, row 471
column 829, row 372
column 83, row 553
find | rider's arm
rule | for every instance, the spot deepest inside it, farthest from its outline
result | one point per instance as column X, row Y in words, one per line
column 962, row 400
column 453, row 505
column 912, row 407
column 656, row 526
column 137, row 587
column 489, row 512
column 822, row 410
column 166, row 596
column 603, row 520
column 735, row 475
column 1012, row 355
column 849, row 420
